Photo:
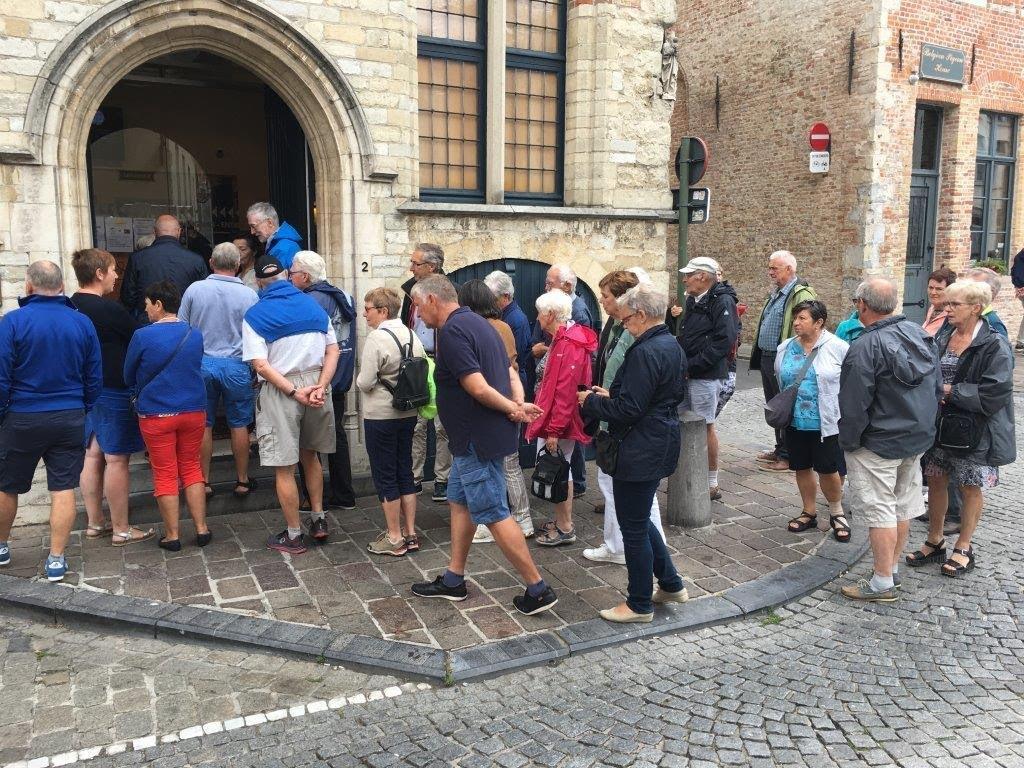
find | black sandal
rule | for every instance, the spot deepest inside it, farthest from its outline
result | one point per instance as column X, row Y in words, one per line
column 953, row 569
column 249, row 485
column 805, row 521
column 920, row 557
column 209, row 490
column 840, row 527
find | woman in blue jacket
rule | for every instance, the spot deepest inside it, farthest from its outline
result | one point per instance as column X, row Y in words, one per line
column 641, row 411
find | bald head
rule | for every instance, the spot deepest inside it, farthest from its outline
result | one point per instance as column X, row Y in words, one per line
column 44, row 278
column 166, row 226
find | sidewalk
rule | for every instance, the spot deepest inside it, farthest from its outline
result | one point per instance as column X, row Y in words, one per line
column 342, row 587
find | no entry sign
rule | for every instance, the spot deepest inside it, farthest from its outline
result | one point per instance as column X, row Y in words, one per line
column 820, row 137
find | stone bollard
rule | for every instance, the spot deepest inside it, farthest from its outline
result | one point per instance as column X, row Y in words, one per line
column 689, row 503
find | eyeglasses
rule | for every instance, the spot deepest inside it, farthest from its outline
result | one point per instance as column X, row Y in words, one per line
column 955, row 304
column 367, row 309
column 417, row 263
column 296, row 272
column 628, row 317
column 854, row 300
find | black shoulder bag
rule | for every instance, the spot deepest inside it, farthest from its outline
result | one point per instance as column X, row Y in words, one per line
column 134, row 399
column 960, row 431
column 778, row 411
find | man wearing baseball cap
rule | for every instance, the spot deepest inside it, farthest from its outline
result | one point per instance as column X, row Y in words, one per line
column 291, row 344
column 707, row 334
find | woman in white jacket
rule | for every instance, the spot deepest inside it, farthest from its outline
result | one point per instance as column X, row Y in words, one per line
column 813, row 434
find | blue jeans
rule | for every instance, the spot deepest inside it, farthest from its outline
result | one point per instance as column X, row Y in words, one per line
column 643, row 546
column 479, row 485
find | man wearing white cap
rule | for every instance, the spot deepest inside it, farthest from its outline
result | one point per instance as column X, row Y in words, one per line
column 707, row 334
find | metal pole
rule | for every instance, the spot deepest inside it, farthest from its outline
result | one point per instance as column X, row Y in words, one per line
column 684, row 215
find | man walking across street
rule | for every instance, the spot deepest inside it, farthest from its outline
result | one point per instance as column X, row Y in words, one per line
column 707, row 333
column 294, row 350
column 216, row 306
column 426, row 260
column 51, row 374
column 165, row 259
column 281, row 240
column 889, row 391
column 775, row 326
column 480, row 401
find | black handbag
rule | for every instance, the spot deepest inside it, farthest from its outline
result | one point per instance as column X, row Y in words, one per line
column 550, row 479
column 778, row 411
column 959, row 431
column 607, row 448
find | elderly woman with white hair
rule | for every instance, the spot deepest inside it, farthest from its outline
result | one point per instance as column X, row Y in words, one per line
column 975, row 433
column 560, row 427
column 643, row 425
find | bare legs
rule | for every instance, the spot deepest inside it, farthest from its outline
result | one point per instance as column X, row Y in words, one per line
column 508, row 536
column 712, row 448
column 970, row 514
column 105, row 475
column 239, row 450
column 831, row 488
column 170, row 510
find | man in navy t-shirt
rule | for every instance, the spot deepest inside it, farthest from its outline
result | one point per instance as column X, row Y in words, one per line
column 479, row 401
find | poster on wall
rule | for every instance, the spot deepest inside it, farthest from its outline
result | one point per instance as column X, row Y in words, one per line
column 119, row 234
column 224, row 204
column 141, row 228
column 99, row 233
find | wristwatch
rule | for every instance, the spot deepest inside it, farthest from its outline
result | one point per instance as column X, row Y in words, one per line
column 292, row 393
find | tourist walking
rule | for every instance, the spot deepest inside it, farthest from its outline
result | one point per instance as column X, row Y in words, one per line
column 163, row 369
column 641, row 409
column 51, row 376
column 388, row 430
column 111, row 428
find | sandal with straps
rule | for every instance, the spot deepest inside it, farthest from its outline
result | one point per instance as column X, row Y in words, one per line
column 955, row 570
column 920, row 557
column 840, row 527
column 803, row 522
column 93, row 531
column 132, row 536
column 249, row 485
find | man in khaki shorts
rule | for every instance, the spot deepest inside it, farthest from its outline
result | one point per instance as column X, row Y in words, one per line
column 291, row 344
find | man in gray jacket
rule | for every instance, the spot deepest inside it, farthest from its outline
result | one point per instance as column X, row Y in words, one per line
column 888, row 398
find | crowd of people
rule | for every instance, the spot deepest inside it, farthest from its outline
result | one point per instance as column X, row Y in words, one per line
column 259, row 335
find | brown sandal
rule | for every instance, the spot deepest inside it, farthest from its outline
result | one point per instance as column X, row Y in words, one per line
column 99, row 531
column 803, row 522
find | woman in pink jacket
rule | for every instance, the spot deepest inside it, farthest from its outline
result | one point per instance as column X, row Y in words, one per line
column 567, row 368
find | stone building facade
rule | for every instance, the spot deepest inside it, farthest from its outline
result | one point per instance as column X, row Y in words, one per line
column 755, row 76
column 352, row 74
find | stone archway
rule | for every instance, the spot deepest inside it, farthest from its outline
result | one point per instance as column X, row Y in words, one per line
column 107, row 45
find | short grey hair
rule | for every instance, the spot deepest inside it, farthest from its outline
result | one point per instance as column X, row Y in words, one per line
column 986, row 275
column 646, row 298
column 225, row 256
column 500, row 284
column 641, row 274
column 264, row 211
column 438, row 286
column 144, row 241
column 432, row 254
column 45, row 277
column 312, row 263
column 558, row 302
column 565, row 275
column 785, row 257
column 879, row 293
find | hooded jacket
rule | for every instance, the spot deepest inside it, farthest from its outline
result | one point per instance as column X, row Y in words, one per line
column 284, row 244
column 889, row 390
column 801, row 292
column 708, row 331
column 983, row 384
column 568, row 368
column 338, row 306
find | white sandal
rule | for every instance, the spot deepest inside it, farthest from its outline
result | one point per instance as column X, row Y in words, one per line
column 129, row 537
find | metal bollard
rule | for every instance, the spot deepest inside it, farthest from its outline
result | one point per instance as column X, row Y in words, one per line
column 689, row 503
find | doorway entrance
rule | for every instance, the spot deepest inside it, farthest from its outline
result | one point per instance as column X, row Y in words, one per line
column 195, row 135
column 924, row 194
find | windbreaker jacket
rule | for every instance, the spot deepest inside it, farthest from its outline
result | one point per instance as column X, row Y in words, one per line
column 889, row 390
column 642, row 410
column 708, row 331
column 801, row 292
column 339, row 307
column 284, row 244
column 984, row 384
column 568, row 368
column 828, row 367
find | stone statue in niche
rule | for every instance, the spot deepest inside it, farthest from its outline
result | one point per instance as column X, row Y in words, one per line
column 669, row 67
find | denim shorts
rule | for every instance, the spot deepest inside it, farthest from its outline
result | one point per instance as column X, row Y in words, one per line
column 228, row 378
column 480, row 486
column 114, row 424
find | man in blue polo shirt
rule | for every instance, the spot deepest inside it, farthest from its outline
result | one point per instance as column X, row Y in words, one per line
column 480, row 402
column 51, row 373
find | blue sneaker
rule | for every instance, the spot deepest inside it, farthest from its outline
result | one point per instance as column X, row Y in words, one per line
column 56, row 567
column 5, row 553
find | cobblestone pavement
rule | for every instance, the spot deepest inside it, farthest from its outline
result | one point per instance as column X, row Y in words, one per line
column 341, row 586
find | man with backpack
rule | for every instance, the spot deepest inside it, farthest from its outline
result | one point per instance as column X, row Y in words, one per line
column 308, row 274
column 294, row 350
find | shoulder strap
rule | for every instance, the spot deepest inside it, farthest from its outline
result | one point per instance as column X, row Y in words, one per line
column 162, row 368
column 807, row 365
column 401, row 351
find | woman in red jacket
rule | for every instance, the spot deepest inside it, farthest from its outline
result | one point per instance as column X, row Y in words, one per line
column 567, row 367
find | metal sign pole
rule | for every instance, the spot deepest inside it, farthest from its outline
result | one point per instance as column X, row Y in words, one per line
column 684, row 215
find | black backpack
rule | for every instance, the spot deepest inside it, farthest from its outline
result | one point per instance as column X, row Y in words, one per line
column 410, row 390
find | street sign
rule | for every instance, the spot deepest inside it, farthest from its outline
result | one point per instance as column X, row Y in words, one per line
column 697, row 160
column 698, row 205
column 820, row 138
column 819, row 162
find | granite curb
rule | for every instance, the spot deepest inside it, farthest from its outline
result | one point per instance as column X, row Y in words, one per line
column 166, row 620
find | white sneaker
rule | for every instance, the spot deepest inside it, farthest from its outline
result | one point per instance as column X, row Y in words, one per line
column 603, row 555
column 526, row 526
column 482, row 535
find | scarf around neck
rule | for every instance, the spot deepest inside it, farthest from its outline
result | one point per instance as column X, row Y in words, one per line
column 283, row 310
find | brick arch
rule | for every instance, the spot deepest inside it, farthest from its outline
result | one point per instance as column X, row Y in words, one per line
column 1003, row 76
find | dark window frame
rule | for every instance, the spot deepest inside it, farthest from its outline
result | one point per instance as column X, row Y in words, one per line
column 475, row 53
column 985, row 165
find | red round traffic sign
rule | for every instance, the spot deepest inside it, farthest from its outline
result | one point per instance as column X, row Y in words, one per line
column 820, row 137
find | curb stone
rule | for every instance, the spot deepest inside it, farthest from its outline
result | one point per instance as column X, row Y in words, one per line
column 167, row 621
